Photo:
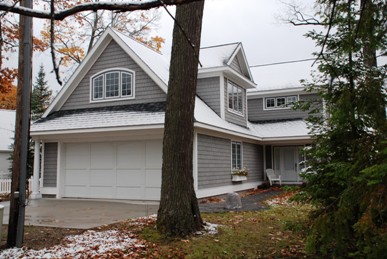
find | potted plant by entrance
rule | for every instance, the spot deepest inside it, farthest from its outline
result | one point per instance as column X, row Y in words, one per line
column 239, row 174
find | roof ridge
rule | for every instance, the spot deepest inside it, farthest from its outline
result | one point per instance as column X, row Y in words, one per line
column 138, row 41
column 220, row 45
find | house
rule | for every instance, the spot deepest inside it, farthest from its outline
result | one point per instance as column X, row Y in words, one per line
column 102, row 135
column 7, row 134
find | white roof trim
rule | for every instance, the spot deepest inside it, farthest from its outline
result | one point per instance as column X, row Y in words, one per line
column 222, row 130
column 88, row 62
column 96, row 130
column 228, row 71
column 258, row 93
column 163, row 85
column 246, row 68
column 236, row 50
column 79, row 74
column 304, row 137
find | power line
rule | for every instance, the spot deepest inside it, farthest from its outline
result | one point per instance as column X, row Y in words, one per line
column 283, row 62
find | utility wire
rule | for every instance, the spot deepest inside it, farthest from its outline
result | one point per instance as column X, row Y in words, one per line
column 283, row 62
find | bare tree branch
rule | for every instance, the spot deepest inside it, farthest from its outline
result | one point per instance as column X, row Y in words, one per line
column 298, row 17
column 52, row 35
column 321, row 54
column 122, row 7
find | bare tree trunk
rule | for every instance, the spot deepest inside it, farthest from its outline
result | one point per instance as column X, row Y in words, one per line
column 179, row 213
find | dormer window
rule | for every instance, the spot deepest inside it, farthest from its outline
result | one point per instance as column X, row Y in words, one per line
column 282, row 102
column 113, row 84
column 235, row 98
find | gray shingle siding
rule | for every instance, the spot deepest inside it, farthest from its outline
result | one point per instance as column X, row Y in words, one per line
column 214, row 161
column 257, row 112
column 208, row 90
column 146, row 90
column 235, row 65
column 252, row 160
column 230, row 116
column 50, row 164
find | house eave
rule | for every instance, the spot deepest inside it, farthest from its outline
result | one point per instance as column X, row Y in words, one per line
column 228, row 71
column 275, row 92
column 305, row 139
column 37, row 134
column 226, row 131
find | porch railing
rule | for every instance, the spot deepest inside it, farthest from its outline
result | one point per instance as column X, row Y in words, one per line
column 5, row 185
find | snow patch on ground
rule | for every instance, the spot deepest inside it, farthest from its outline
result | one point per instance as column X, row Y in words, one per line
column 211, row 228
column 89, row 244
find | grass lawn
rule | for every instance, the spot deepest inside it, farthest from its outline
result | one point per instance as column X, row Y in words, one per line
column 274, row 233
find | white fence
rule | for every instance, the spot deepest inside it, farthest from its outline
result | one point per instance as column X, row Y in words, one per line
column 5, row 185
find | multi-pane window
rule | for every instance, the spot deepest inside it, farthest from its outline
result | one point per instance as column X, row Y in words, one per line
column 98, row 87
column 236, row 159
column 235, row 97
column 280, row 102
column 112, row 85
column 126, row 89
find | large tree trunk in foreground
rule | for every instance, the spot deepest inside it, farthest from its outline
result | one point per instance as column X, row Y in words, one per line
column 179, row 213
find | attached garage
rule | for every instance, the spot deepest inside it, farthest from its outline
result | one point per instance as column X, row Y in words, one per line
column 112, row 170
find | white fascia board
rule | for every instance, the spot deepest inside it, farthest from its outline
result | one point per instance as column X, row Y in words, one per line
column 276, row 92
column 239, row 79
column 214, row 73
column 140, row 62
column 287, row 138
column 240, row 51
column 247, row 64
column 79, row 73
column 96, row 130
column 236, row 50
column 231, row 73
column 226, row 131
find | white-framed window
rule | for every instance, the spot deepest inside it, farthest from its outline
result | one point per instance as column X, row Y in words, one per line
column 235, row 97
column 236, row 155
column 112, row 84
column 281, row 102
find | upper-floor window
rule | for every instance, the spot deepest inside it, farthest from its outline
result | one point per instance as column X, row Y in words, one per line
column 235, row 97
column 280, row 102
column 112, row 85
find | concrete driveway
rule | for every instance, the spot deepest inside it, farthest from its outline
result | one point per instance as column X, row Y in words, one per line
column 81, row 213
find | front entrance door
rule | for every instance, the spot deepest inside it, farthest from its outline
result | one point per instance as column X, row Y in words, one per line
column 286, row 161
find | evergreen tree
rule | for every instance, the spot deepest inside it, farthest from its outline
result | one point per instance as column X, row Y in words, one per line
column 347, row 180
column 41, row 95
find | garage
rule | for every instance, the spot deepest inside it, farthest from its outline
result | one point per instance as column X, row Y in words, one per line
column 113, row 170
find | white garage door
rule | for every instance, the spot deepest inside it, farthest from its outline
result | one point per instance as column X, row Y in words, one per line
column 118, row 170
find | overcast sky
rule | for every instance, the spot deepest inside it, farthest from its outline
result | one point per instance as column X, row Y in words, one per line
column 265, row 38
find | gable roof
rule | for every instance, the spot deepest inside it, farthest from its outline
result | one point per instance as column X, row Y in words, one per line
column 7, row 129
column 220, row 58
column 216, row 58
column 152, row 62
